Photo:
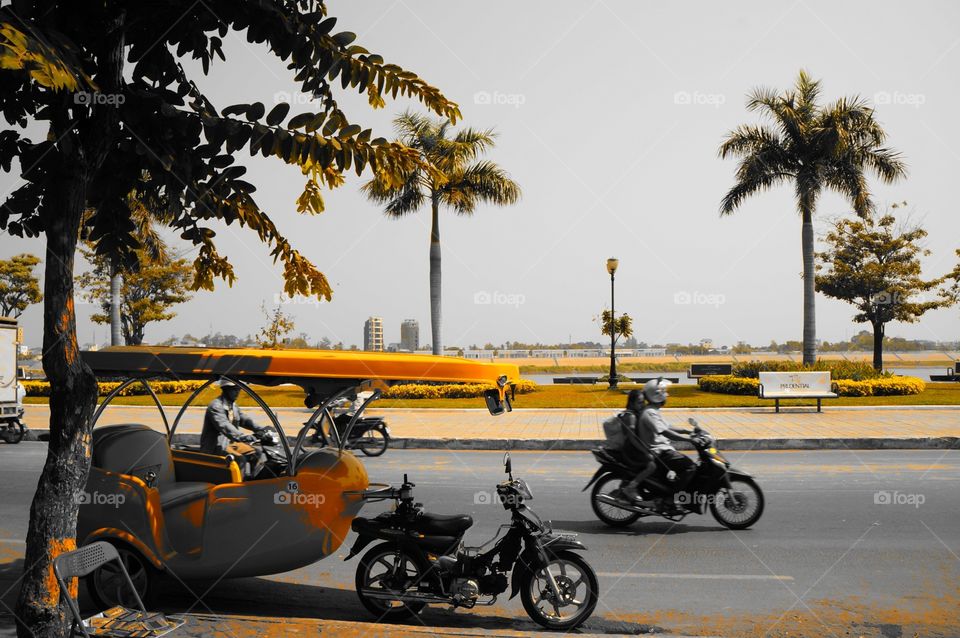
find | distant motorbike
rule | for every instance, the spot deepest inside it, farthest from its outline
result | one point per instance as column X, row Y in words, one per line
column 733, row 496
column 423, row 561
column 370, row 435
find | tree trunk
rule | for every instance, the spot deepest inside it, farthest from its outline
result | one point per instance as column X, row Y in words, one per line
column 73, row 392
column 878, row 333
column 116, row 332
column 435, row 278
column 809, row 292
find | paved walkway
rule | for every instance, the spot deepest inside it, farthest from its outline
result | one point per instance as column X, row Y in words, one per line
column 584, row 425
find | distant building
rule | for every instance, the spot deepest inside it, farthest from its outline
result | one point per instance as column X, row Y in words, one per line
column 373, row 334
column 410, row 335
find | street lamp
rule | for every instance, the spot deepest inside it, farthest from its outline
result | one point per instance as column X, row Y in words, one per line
column 612, row 264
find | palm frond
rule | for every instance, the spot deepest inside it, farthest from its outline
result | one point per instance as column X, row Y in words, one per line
column 481, row 182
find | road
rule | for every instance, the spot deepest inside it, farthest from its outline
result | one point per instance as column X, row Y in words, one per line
column 826, row 559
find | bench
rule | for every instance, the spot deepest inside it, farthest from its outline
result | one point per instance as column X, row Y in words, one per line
column 698, row 370
column 796, row 385
column 951, row 375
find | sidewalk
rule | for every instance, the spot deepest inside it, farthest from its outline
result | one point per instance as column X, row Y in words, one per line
column 566, row 429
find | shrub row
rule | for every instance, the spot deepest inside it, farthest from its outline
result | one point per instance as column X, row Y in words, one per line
column 884, row 386
column 452, row 391
column 855, row 370
column 42, row 388
column 880, row 386
column 729, row 384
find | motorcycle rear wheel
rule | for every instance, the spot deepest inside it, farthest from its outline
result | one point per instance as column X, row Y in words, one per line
column 377, row 442
column 386, row 562
column 608, row 514
column 578, row 587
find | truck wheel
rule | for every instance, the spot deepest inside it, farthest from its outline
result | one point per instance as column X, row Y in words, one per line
column 14, row 432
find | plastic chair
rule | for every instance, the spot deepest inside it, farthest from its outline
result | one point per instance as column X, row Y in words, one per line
column 81, row 562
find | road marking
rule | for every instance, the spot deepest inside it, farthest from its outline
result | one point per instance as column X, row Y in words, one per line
column 15, row 541
column 697, row 576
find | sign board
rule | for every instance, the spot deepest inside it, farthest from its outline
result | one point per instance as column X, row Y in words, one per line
column 707, row 369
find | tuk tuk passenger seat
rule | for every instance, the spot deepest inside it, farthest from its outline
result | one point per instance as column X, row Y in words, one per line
column 140, row 451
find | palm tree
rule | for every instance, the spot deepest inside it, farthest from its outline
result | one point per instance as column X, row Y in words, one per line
column 450, row 175
column 814, row 147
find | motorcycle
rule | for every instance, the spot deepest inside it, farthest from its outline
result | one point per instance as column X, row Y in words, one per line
column 733, row 496
column 423, row 560
column 370, row 435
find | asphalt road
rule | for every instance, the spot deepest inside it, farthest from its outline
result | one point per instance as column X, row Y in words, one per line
column 828, row 558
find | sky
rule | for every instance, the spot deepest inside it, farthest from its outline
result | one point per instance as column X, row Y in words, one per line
column 609, row 115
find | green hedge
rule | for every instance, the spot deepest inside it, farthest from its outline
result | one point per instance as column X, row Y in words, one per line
column 729, row 384
column 880, row 386
column 855, row 370
column 450, row 391
column 42, row 388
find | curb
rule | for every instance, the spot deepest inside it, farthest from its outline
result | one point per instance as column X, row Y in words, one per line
column 862, row 443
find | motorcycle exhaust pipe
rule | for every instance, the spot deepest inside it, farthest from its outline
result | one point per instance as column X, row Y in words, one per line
column 609, row 500
column 409, row 597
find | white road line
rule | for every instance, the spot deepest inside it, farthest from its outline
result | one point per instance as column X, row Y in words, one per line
column 697, row 576
column 15, row 541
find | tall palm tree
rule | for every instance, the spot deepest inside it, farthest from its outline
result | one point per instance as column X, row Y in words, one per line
column 450, row 175
column 814, row 147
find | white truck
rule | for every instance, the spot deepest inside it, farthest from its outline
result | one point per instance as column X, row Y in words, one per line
column 12, row 429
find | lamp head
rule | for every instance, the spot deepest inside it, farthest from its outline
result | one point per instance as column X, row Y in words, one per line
column 612, row 264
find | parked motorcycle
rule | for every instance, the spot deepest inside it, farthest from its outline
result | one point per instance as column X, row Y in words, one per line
column 422, row 560
column 733, row 496
column 370, row 435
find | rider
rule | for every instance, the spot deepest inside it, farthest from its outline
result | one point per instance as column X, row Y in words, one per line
column 655, row 392
column 636, row 449
column 221, row 433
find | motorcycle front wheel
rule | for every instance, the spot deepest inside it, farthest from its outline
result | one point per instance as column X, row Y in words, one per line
column 578, row 592
column 739, row 507
column 610, row 514
column 384, row 569
column 374, row 442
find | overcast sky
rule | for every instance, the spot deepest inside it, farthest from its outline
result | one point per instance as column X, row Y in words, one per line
column 609, row 115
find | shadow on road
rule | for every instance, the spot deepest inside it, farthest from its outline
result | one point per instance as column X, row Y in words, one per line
column 277, row 599
column 640, row 528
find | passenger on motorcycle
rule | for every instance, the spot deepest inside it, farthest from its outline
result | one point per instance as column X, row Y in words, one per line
column 221, row 433
column 636, row 452
column 655, row 392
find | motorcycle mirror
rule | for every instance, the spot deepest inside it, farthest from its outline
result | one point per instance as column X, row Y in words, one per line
column 692, row 421
column 507, row 465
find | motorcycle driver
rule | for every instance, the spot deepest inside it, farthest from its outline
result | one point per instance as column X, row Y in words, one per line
column 655, row 392
column 221, row 433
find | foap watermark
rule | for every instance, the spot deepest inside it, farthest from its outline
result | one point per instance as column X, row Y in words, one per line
column 296, row 99
column 496, row 98
column 293, row 496
column 488, row 498
column 111, row 499
column 283, row 299
column 497, row 298
column 95, row 98
column 697, row 98
column 697, row 298
column 899, row 98
column 886, row 497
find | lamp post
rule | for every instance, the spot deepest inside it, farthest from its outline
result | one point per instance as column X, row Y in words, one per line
column 612, row 264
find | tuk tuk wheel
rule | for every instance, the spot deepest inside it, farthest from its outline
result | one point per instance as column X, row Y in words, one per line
column 13, row 432
column 108, row 588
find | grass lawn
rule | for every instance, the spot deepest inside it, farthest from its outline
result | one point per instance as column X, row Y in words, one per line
column 570, row 396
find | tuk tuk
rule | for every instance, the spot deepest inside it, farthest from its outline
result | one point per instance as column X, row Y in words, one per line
column 168, row 506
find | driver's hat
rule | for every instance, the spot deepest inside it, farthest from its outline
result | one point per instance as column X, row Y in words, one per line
column 227, row 383
column 656, row 390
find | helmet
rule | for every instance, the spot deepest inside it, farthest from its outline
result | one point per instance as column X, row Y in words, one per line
column 227, row 383
column 655, row 390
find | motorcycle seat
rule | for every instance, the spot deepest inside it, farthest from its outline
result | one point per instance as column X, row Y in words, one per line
column 453, row 525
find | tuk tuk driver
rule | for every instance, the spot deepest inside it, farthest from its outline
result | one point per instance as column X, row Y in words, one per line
column 221, row 433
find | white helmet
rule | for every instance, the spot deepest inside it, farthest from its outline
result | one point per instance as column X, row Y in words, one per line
column 655, row 390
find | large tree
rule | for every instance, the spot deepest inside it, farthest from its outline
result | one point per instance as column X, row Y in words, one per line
column 873, row 263
column 449, row 174
column 18, row 287
column 813, row 147
column 119, row 113
column 142, row 295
